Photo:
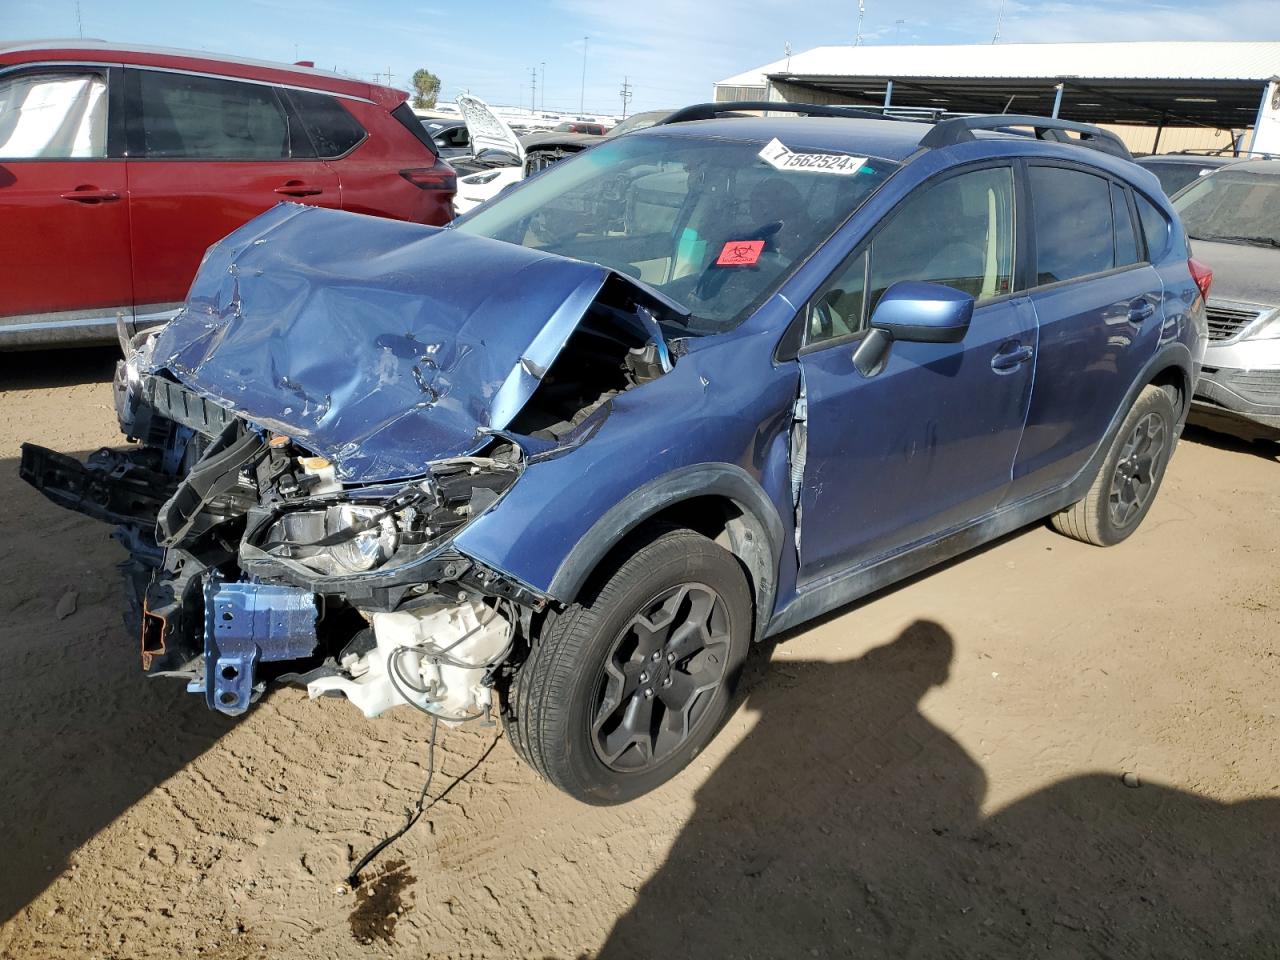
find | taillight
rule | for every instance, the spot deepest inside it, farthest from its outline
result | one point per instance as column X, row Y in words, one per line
column 1201, row 274
column 440, row 176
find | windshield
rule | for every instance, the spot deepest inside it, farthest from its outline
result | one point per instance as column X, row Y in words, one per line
column 708, row 222
column 1233, row 205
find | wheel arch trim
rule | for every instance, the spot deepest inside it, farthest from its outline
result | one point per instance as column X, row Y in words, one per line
column 759, row 549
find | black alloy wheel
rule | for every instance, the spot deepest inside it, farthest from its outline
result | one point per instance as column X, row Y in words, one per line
column 660, row 677
column 1137, row 470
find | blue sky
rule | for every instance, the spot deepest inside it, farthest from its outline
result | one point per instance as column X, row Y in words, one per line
column 671, row 50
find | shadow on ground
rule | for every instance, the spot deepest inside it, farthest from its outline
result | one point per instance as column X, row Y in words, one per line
column 41, row 369
column 847, row 824
column 86, row 735
column 1230, row 437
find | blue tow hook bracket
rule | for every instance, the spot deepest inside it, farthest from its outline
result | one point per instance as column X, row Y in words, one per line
column 245, row 623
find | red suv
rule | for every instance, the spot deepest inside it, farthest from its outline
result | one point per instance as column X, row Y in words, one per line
column 118, row 167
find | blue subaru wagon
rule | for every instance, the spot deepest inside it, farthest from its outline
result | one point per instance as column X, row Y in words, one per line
column 562, row 462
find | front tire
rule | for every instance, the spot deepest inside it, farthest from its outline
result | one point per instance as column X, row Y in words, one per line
column 1129, row 478
column 624, row 688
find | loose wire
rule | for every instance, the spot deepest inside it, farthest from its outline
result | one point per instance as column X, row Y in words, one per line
column 421, row 806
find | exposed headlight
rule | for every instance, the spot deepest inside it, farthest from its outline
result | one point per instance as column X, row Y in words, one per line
column 481, row 177
column 336, row 540
column 374, row 541
column 337, row 537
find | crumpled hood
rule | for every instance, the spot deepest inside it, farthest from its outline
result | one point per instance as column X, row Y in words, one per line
column 379, row 344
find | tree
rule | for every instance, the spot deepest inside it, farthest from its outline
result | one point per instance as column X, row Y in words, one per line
column 426, row 87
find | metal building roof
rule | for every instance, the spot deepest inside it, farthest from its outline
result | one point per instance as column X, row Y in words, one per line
column 1213, row 83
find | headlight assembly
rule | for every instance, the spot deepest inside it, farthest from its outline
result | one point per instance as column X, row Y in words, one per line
column 336, row 540
column 336, row 537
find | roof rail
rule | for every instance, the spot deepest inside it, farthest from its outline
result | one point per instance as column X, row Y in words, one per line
column 960, row 130
column 709, row 111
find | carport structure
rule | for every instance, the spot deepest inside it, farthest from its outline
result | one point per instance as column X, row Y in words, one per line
column 1207, row 84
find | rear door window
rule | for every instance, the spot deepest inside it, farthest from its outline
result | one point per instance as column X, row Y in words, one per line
column 333, row 130
column 184, row 116
column 1126, row 238
column 58, row 115
column 1073, row 223
column 1155, row 227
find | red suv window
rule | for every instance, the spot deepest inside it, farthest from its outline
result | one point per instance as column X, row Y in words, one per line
column 185, row 116
column 58, row 115
column 333, row 130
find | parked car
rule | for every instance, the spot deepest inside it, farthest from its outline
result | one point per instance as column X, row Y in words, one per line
column 119, row 166
column 1176, row 170
column 566, row 460
column 1233, row 217
column 507, row 158
column 497, row 155
column 542, row 150
column 450, row 137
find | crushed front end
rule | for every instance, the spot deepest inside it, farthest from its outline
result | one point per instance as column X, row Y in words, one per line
column 249, row 562
column 314, row 430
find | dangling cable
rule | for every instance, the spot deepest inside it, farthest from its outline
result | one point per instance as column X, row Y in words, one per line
column 421, row 806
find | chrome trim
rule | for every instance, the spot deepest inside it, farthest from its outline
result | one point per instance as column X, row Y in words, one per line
column 97, row 324
column 196, row 73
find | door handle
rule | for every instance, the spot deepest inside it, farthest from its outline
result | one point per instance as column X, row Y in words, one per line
column 1139, row 310
column 90, row 195
column 296, row 188
column 1008, row 360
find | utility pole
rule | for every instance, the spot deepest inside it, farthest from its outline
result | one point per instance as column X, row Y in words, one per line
column 999, row 16
column 533, row 89
column 582, row 90
column 79, row 22
column 862, row 12
column 544, row 85
column 626, row 95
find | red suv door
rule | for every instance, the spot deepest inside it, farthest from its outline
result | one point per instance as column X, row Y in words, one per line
column 64, row 217
column 207, row 154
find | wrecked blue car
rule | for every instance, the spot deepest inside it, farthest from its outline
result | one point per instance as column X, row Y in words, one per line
column 561, row 463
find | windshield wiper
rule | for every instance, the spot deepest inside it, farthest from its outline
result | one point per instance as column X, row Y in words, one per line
column 1233, row 238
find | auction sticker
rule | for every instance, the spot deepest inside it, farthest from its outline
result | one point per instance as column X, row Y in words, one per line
column 780, row 156
column 740, row 253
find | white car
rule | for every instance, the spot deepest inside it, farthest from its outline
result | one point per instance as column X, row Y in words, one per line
column 497, row 159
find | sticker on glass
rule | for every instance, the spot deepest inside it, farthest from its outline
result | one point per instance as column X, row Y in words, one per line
column 777, row 155
column 740, row 253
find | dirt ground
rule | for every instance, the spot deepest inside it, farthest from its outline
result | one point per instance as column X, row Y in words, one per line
column 936, row 772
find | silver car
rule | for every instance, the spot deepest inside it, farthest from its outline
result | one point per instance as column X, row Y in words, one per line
column 1233, row 217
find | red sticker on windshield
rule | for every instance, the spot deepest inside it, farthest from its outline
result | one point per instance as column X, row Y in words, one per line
column 740, row 253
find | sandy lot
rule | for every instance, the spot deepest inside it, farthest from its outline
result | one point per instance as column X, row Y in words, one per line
column 935, row 772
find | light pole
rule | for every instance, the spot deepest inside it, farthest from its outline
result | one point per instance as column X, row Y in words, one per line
column 544, row 85
column 582, row 90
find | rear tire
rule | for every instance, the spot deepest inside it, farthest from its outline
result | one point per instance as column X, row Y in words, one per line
column 1129, row 478
column 625, row 687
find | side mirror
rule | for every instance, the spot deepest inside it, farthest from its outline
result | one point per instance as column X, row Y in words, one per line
column 915, row 312
column 923, row 312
